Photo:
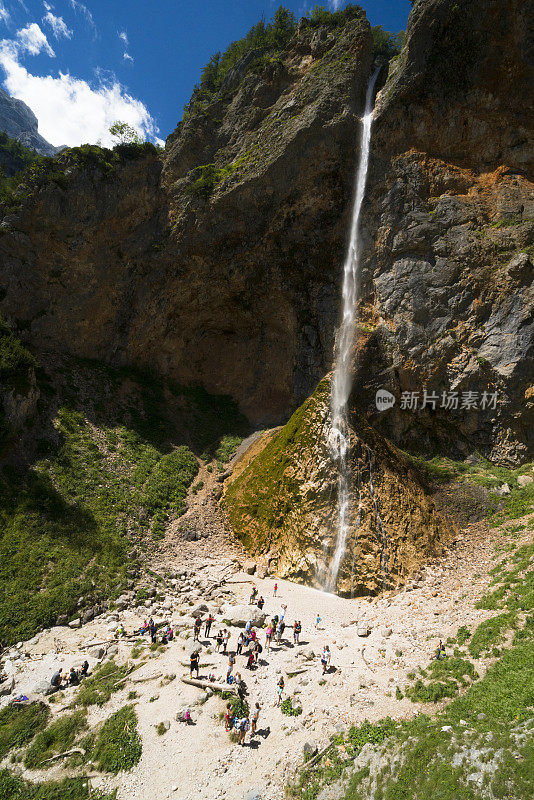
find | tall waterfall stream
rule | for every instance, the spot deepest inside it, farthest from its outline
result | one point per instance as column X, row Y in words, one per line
column 339, row 438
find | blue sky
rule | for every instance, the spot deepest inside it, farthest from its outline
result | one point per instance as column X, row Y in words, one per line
column 80, row 66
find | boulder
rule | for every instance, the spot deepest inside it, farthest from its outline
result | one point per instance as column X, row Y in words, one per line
column 385, row 631
column 62, row 619
column 75, row 623
column 7, row 686
column 253, row 794
column 249, row 567
column 97, row 652
column 198, row 610
column 310, row 749
column 240, row 615
column 44, row 687
column 524, row 480
column 502, row 490
column 363, row 630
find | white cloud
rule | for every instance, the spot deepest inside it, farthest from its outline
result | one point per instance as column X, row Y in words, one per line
column 127, row 57
column 123, row 36
column 71, row 111
column 81, row 9
column 4, row 13
column 57, row 24
column 33, row 40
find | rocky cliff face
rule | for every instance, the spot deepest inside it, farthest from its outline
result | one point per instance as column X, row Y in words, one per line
column 19, row 122
column 232, row 283
column 447, row 284
column 219, row 262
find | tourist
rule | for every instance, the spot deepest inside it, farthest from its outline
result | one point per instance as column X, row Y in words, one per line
column 219, row 640
column 255, row 718
column 85, row 669
column 275, row 589
column 144, row 628
column 208, row 625
column 244, row 726
column 253, row 596
column 278, row 632
column 279, row 691
column 57, row 679
column 228, row 717
column 250, row 660
column 317, row 621
column 257, row 650
column 260, row 603
column 268, row 635
column 194, row 666
column 226, row 639
column 187, row 717
column 283, row 610
column 196, row 629
column 253, row 635
column 325, row 658
column 164, row 639
column 73, row 677
column 169, row 632
column 440, row 652
column 231, row 662
column 240, row 643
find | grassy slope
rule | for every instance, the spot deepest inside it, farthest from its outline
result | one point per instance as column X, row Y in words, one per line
column 101, row 466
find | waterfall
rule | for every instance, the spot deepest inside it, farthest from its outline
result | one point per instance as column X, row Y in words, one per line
column 342, row 380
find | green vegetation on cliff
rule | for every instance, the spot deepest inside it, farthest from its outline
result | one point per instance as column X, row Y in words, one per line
column 265, row 41
column 97, row 471
column 42, row 171
column 260, row 498
column 14, row 157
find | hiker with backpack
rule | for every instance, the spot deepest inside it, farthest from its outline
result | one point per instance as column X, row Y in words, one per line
column 244, row 727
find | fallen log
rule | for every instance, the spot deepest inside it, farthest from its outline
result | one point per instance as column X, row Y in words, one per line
column 316, row 757
column 204, row 684
column 66, row 753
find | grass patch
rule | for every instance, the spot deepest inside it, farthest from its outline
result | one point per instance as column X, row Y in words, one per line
column 19, row 724
column 14, row 788
column 227, row 448
column 446, row 675
column 289, row 709
column 56, row 738
column 118, row 744
column 490, row 633
column 98, row 688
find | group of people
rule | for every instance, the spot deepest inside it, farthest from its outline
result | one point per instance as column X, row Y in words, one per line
column 242, row 725
column 60, row 679
column 260, row 602
column 150, row 627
